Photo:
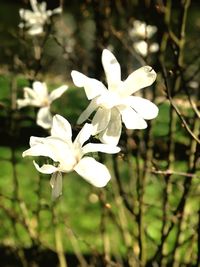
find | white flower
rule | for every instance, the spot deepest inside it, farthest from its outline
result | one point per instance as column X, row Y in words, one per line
column 143, row 48
column 39, row 97
column 35, row 19
column 68, row 155
column 142, row 30
column 116, row 103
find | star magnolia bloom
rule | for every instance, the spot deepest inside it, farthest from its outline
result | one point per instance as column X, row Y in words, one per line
column 143, row 48
column 142, row 30
column 39, row 97
column 35, row 20
column 116, row 103
column 69, row 156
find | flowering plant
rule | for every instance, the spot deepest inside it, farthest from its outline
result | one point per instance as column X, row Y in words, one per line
column 116, row 104
column 39, row 97
column 35, row 19
column 68, row 156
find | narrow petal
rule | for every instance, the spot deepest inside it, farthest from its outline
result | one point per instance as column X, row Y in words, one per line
column 132, row 119
column 112, row 69
column 56, row 184
column 112, row 133
column 40, row 89
column 105, row 148
column 139, row 79
column 40, row 150
column 92, row 86
column 100, row 120
column 83, row 135
column 22, row 103
column 46, row 168
column 93, row 172
column 44, row 118
column 57, row 92
column 57, row 10
column 34, row 140
column 145, row 108
column 88, row 111
column 61, row 128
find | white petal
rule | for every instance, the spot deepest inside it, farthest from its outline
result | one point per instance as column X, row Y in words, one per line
column 36, row 29
column 32, row 97
column 22, row 103
column 56, row 184
column 92, row 86
column 46, row 168
column 112, row 133
column 83, row 135
column 40, row 150
column 132, row 119
column 88, row 111
column 57, row 92
column 112, row 69
column 145, row 108
column 61, row 128
column 100, row 120
column 63, row 153
column 40, row 89
column 105, row 148
column 141, row 47
column 34, row 140
column 44, row 118
column 139, row 79
column 57, row 10
column 93, row 172
column 34, row 5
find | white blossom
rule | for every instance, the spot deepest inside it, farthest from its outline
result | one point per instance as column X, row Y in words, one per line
column 39, row 97
column 68, row 156
column 143, row 48
column 142, row 30
column 141, row 33
column 34, row 20
column 116, row 104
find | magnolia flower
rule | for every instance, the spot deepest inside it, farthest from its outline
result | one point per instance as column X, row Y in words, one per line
column 143, row 48
column 39, row 97
column 142, row 30
column 68, row 156
column 35, row 19
column 116, row 103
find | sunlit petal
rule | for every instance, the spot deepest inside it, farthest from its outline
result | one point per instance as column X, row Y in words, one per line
column 105, row 148
column 62, row 153
column 34, row 140
column 46, row 168
column 112, row 69
column 40, row 150
column 139, row 79
column 40, row 89
column 44, row 118
column 93, row 172
column 132, row 119
column 57, row 92
column 61, row 128
column 145, row 108
column 92, row 86
column 83, row 135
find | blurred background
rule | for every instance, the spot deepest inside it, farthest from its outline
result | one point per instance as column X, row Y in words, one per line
column 149, row 214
